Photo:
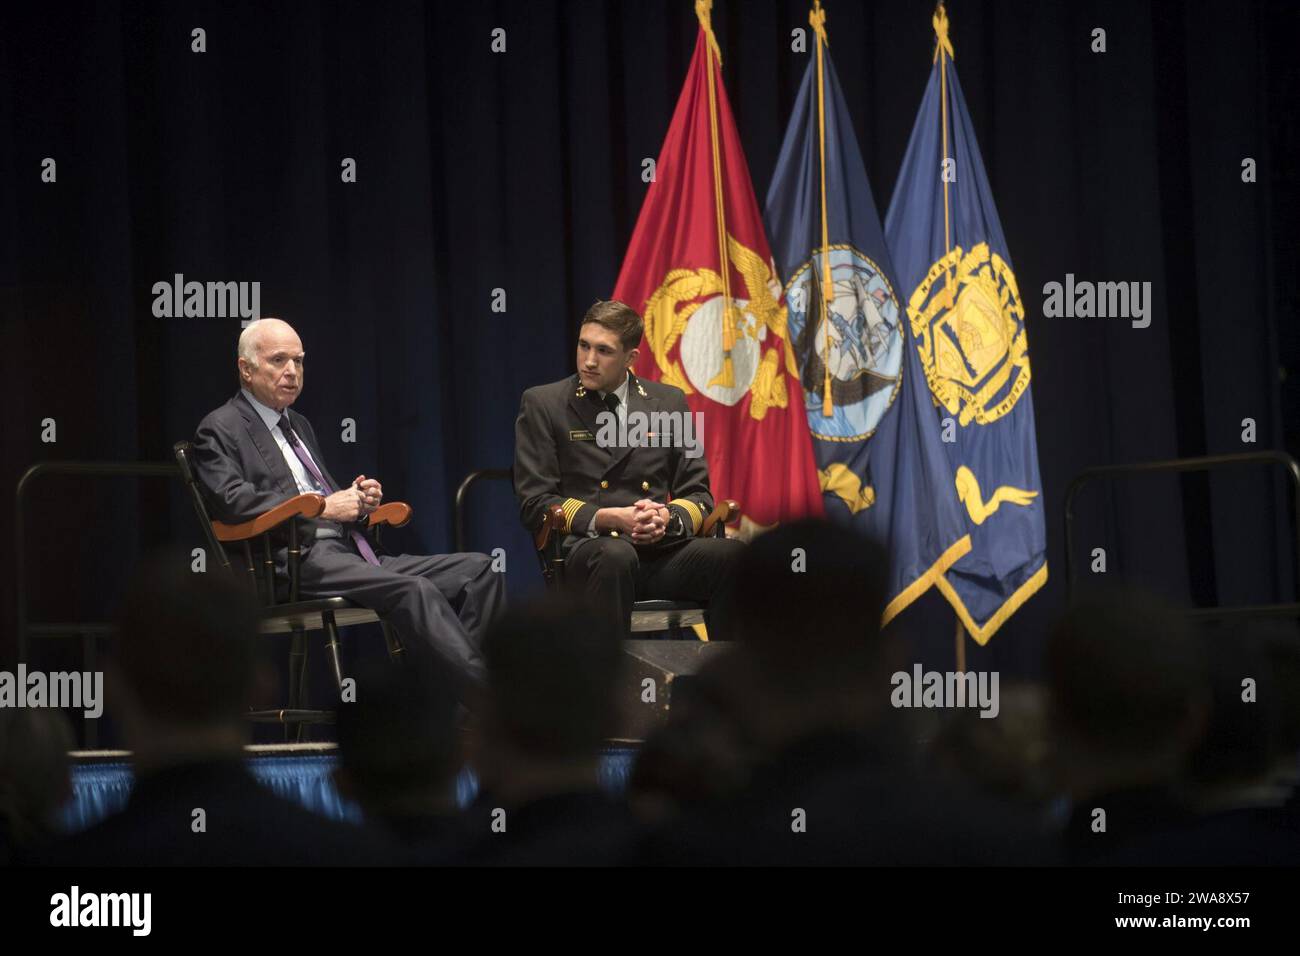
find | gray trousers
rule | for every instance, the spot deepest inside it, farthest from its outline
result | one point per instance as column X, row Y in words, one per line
column 439, row 601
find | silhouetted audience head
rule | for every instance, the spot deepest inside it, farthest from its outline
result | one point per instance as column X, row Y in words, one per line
column 808, row 588
column 1127, row 696
column 1008, row 756
column 1249, row 716
column 549, row 701
column 799, row 725
column 702, row 753
column 35, row 780
column 806, row 656
column 399, row 747
column 185, row 665
column 805, row 605
column 186, row 659
column 1230, row 804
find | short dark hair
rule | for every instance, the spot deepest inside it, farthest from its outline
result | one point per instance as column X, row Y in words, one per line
column 619, row 318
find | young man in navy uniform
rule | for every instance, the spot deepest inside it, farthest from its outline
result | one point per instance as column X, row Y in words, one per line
column 631, row 508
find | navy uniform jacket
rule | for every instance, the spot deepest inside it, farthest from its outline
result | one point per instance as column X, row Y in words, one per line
column 558, row 461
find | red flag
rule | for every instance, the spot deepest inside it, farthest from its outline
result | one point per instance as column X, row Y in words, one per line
column 715, row 325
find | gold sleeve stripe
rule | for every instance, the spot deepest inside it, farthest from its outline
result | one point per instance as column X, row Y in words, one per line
column 692, row 509
column 571, row 507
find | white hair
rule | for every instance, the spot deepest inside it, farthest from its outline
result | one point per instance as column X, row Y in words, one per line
column 248, row 341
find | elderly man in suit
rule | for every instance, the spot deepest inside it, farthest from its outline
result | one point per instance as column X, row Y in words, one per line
column 631, row 507
column 254, row 452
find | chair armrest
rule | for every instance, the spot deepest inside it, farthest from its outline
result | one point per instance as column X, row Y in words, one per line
column 725, row 512
column 394, row 514
column 552, row 521
column 303, row 506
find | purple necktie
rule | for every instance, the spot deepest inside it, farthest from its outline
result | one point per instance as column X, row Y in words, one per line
column 291, row 436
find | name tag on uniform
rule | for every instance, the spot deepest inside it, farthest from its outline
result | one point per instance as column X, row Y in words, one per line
column 582, row 435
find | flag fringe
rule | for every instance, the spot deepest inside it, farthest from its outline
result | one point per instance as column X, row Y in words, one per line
column 956, row 551
column 982, row 635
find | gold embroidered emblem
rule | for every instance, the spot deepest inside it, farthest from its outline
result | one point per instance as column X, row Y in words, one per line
column 841, row 481
column 726, row 353
column 968, row 490
column 969, row 324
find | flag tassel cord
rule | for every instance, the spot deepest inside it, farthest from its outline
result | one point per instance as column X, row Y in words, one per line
column 942, row 51
column 725, row 378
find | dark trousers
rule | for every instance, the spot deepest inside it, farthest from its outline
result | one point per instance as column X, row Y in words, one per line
column 611, row 573
column 439, row 601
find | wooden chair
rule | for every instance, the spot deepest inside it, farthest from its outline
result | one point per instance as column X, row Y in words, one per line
column 647, row 616
column 292, row 615
column 654, row 615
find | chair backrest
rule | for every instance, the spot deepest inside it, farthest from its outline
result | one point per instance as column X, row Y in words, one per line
column 548, row 557
column 182, row 452
column 458, row 509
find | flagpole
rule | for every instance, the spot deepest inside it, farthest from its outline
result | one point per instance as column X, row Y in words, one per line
column 943, row 50
column 817, row 17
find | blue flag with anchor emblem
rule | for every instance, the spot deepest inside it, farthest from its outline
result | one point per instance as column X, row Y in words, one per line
column 966, row 317
column 881, row 464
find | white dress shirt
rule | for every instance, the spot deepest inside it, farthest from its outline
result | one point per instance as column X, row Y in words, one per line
column 621, row 412
column 304, row 479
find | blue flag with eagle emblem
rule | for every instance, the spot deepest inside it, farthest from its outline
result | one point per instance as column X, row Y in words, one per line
column 881, row 464
column 965, row 315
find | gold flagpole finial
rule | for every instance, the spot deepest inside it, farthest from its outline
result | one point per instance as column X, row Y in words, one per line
column 940, row 21
column 817, row 17
column 703, row 10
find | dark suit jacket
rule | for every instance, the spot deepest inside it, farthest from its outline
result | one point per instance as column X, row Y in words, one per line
column 557, row 459
column 242, row 472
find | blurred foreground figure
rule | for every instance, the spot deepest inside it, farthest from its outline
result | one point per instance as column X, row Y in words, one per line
column 34, row 779
column 1006, row 756
column 547, row 710
column 184, row 668
column 798, row 722
column 1128, row 705
column 400, row 750
column 1176, row 737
